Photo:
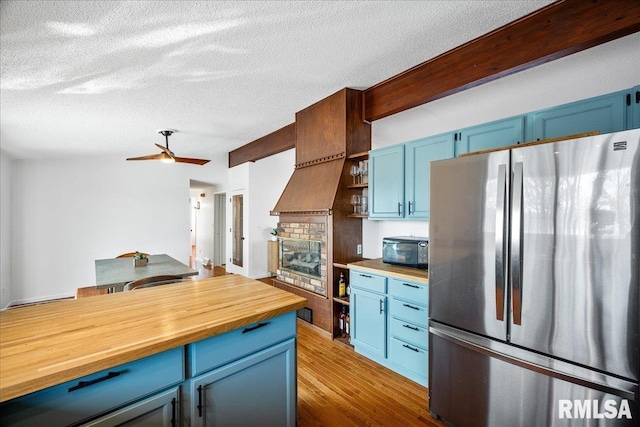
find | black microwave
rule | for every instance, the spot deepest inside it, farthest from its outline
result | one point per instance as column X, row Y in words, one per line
column 406, row 251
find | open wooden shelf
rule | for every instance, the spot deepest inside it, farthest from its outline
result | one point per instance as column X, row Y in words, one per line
column 343, row 300
column 356, row 156
column 357, row 216
column 363, row 185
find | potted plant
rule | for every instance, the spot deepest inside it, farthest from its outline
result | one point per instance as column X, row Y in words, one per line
column 140, row 259
column 274, row 234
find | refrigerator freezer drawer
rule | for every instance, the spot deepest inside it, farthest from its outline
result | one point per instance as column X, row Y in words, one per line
column 408, row 356
column 409, row 332
column 475, row 385
column 410, row 312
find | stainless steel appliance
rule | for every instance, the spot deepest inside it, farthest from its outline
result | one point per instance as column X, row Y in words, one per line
column 408, row 251
column 534, row 273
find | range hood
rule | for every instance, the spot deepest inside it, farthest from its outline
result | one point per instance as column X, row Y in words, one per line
column 327, row 132
column 311, row 190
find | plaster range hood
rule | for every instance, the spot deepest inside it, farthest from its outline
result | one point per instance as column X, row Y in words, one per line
column 326, row 133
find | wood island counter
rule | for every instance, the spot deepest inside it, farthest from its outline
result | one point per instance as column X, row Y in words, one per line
column 46, row 345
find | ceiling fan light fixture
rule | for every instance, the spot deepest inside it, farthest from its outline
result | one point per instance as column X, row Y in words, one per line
column 166, row 155
column 165, row 158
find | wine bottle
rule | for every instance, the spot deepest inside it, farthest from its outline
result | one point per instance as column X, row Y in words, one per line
column 346, row 322
column 343, row 323
column 342, row 287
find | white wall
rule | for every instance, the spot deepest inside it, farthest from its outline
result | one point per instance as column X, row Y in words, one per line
column 600, row 70
column 203, row 221
column 5, row 229
column 267, row 180
column 67, row 213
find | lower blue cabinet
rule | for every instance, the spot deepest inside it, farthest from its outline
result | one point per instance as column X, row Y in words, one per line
column 160, row 410
column 258, row 390
column 389, row 323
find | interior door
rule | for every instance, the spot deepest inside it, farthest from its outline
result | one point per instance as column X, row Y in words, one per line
column 467, row 230
column 237, row 233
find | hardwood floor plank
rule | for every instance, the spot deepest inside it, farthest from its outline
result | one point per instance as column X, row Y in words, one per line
column 338, row 387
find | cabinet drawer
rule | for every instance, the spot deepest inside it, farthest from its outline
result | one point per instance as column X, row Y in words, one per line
column 409, row 357
column 215, row 351
column 410, row 333
column 95, row 394
column 409, row 291
column 410, row 312
column 368, row 282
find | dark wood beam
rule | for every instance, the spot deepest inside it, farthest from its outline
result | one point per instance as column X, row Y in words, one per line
column 276, row 142
column 557, row 30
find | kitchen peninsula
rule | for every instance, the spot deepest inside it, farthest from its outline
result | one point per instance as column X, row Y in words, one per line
column 112, row 357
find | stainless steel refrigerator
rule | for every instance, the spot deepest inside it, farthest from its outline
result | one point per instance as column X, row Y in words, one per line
column 533, row 285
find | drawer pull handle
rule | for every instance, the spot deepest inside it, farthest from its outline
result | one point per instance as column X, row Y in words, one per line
column 173, row 412
column 381, row 306
column 411, row 348
column 366, row 275
column 83, row 384
column 199, row 401
column 411, row 306
column 253, row 328
column 411, row 286
column 411, row 327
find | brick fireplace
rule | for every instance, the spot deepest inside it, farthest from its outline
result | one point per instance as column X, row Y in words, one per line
column 303, row 255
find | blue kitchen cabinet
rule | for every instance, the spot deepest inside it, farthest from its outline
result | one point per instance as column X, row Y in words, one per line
column 633, row 108
column 161, row 410
column 418, row 157
column 90, row 396
column 368, row 316
column 386, row 182
column 486, row 136
column 389, row 322
column 258, row 390
column 604, row 114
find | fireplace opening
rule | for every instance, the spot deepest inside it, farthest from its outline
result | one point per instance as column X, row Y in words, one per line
column 301, row 256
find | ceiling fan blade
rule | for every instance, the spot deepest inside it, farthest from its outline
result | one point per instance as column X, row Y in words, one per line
column 192, row 161
column 165, row 149
column 158, row 156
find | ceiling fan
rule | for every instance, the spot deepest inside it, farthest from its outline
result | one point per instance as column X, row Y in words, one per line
column 167, row 155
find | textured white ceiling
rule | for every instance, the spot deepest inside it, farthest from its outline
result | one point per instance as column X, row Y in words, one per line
column 86, row 78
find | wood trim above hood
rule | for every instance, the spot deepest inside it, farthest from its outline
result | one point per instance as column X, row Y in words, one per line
column 311, row 190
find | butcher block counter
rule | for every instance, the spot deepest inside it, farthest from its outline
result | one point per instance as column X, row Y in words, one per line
column 49, row 344
column 376, row 266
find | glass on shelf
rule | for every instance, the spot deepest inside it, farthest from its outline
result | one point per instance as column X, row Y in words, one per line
column 355, row 201
column 354, row 173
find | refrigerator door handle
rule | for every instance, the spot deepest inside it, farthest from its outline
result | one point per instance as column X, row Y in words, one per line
column 516, row 244
column 500, row 240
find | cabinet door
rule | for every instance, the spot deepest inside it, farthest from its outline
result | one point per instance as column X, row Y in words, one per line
column 386, row 182
column 418, row 157
column 604, row 114
column 369, row 322
column 160, row 410
column 633, row 108
column 491, row 135
column 259, row 390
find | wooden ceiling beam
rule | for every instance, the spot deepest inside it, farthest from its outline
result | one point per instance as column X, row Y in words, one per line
column 276, row 142
column 555, row 31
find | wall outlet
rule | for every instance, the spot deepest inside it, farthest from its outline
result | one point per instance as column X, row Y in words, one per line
column 359, row 249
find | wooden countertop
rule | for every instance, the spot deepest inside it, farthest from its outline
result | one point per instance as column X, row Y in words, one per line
column 376, row 266
column 48, row 344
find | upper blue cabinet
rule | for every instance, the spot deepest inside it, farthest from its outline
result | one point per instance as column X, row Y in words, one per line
column 386, row 182
column 490, row 135
column 633, row 108
column 604, row 114
column 399, row 177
